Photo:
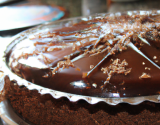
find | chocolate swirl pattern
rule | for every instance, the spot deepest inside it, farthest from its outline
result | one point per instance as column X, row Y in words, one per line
column 107, row 56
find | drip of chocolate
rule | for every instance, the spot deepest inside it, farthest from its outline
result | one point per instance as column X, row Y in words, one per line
column 112, row 56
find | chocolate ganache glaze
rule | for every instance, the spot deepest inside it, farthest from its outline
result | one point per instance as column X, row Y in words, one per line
column 110, row 56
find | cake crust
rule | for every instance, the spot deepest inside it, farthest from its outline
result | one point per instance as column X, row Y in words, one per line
column 40, row 109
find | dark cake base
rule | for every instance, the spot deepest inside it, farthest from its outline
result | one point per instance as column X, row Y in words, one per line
column 45, row 110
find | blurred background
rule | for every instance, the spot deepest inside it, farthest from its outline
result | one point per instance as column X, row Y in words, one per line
column 19, row 15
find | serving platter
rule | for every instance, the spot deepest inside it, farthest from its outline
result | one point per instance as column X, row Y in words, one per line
column 28, row 16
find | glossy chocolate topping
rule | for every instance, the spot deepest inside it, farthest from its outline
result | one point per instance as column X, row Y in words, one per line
column 110, row 56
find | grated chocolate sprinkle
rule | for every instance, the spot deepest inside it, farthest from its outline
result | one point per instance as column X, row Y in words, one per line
column 116, row 67
column 154, row 57
column 144, row 76
column 63, row 64
column 91, row 66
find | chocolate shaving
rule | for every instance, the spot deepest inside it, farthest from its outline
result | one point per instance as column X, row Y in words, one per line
column 91, row 66
column 116, row 67
column 144, row 76
column 54, row 49
column 46, row 60
column 63, row 64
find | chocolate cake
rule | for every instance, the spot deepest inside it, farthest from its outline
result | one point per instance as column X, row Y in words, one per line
column 112, row 56
column 103, row 56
